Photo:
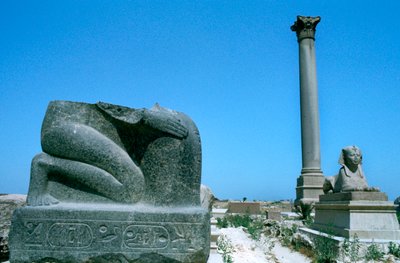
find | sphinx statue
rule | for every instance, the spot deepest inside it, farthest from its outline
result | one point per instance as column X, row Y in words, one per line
column 349, row 207
column 351, row 176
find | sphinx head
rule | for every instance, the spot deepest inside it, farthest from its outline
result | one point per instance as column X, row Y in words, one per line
column 350, row 156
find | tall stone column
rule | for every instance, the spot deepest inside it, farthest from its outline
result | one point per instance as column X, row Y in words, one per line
column 309, row 183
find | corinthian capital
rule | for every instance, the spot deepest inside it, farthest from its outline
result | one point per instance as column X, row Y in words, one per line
column 305, row 27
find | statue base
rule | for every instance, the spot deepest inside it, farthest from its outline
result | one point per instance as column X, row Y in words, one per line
column 309, row 187
column 109, row 233
column 366, row 214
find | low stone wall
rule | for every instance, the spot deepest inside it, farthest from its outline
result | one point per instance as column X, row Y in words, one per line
column 253, row 208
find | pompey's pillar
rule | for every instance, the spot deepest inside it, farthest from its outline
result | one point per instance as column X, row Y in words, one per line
column 309, row 183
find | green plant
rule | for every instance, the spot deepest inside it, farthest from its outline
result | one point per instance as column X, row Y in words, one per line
column 297, row 245
column 394, row 249
column 225, row 247
column 308, row 221
column 398, row 215
column 350, row 249
column 255, row 229
column 286, row 234
column 244, row 199
column 239, row 220
column 326, row 250
column 374, row 252
column 222, row 223
column 304, row 210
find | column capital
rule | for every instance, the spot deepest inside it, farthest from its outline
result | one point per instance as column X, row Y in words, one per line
column 305, row 27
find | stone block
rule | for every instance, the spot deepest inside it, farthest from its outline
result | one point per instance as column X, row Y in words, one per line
column 274, row 215
column 244, row 207
column 219, row 212
column 354, row 196
column 309, row 188
column 82, row 233
column 346, row 214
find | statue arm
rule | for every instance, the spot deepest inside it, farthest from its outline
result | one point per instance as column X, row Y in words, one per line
column 165, row 120
column 158, row 118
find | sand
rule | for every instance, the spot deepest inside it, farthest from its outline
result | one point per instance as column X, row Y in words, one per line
column 248, row 250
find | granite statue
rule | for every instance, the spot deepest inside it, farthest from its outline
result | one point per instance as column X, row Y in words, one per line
column 113, row 182
column 350, row 207
column 351, row 176
column 102, row 148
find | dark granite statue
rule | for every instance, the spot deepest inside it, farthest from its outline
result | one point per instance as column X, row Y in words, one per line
column 113, row 182
column 107, row 150
column 351, row 176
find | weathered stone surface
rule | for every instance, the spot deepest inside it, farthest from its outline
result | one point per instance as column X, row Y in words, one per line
column 354, row 196
column 343, row 216
column 108, row 153
column 8, row 203
column 113, row 182
column 244, row 207
column 273, row 215
column 206, row 197
column 84, row 233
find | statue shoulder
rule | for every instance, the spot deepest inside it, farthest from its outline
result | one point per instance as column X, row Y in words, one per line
column 124, row 114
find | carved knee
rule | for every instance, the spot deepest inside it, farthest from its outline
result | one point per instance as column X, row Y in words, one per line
column 41, row 160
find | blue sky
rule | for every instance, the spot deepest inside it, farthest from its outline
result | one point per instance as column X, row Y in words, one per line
column 230, row 65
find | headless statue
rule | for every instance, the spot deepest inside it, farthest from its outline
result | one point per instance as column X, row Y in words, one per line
column 101, row 146
column 351, row 176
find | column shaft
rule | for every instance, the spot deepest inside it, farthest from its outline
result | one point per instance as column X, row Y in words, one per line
column 310, row 181
column 309, row 108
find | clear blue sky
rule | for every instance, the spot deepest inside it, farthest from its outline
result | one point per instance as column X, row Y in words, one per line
column 230, row 65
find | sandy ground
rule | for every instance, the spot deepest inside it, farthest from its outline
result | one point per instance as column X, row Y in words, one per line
column 248, row 250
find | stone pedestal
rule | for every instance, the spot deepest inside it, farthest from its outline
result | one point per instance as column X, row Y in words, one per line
column 102, row 233
column 309, row 187
column 369, row 215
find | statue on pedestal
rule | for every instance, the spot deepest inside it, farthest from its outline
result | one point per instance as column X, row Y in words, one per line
column 350, row 207
column 113, row 184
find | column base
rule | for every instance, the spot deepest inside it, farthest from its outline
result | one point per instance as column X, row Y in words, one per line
column 309, row 186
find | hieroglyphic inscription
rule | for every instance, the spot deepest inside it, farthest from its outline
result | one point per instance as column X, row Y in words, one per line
column 70, row 235
column 145, row 236
column 94, row 235
column 108, row 234
column 182, row 238
column 35, row 234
